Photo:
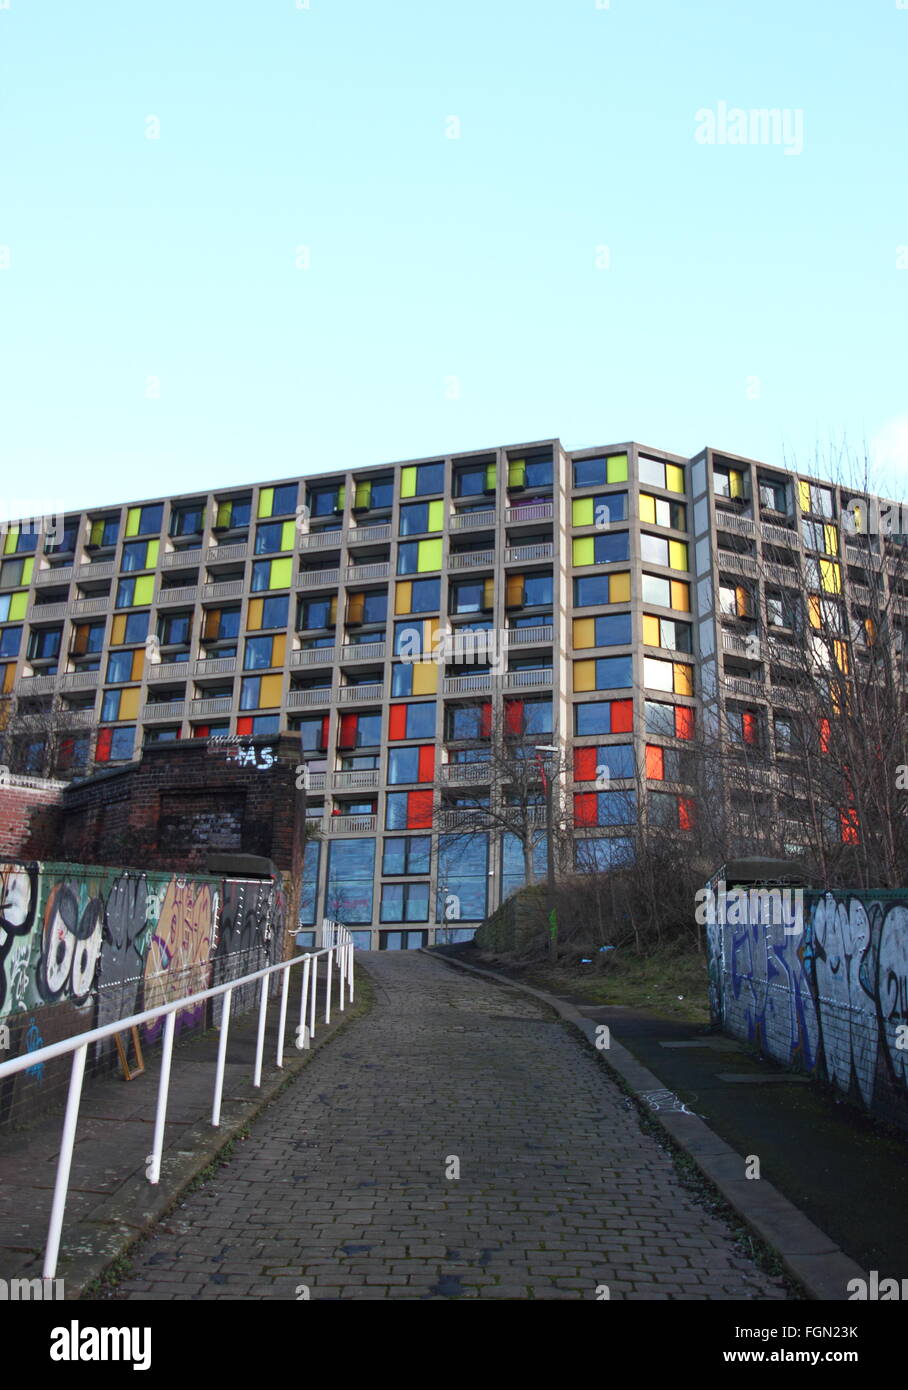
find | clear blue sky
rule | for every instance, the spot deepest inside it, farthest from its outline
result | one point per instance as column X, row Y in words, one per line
column 435, row 258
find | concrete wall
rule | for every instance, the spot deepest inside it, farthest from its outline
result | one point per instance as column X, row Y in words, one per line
column 831, row 1000
column 83, row 946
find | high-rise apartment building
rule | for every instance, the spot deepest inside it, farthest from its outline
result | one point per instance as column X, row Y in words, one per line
column 617, row 589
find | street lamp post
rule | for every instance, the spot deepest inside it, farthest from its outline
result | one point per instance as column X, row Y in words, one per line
column 549, row 847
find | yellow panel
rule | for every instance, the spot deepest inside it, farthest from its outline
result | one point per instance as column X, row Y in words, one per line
column 129, row 702
column 677, row 555
column 12, row 537
column 488, row 593
column 428, row 556
column 254, row 614
column 362, row 495
column 28, row 570
column 647, row 508
column 830, row 577
column 616, row 469
column 151, row 555
column 584, row 632
column 278, row 649
column 680, row 595
column 841, row 655
column 132, row 521
column 332, row 611
column 403, row 596
column 583, row 551
column 830, row 540
column 288, row 535
column 270, row 691
column 584, row 675
column 814, row 612
column 652, row 637
column 582, row 511
column 425, row 677
column 436, row 515
column 266, row 501
column 223, row 514
column 144, row 590
column 9, row 678
column 514, row 591
column 18, row 605
column 804, row 495
column 491, row 477
column 517, row 472
column 683, row 679
column 281, row 574
column 674, row 477
column 619, row 588
column 138, row 661
column 408, row 482
column 735, row 483
column 118, row 630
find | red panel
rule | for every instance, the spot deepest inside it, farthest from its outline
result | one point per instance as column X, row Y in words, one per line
column 749, row 727
column 685, row 812
column 326, row 721
column 427, row 763
column 585, row 764
column 586, row 806
column 200, row 731
column 244, row 725
column 485, row 721
column 655, row 763
column 397, row 722
column 347, row 736
column 513, row 716
column 684, row 721
column 622, row 716
column 102, row 748
column 850, row 825
column 825, row 731
column 419, row 810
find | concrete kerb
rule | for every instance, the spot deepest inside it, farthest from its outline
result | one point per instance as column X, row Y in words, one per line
column 808, row 1255
column 96, row 1243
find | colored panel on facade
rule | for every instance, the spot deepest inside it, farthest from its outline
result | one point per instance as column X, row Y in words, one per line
column 427, row 762
column 585, row 764
column 582, row 511
column 619, row 588
column 652, row 636
column 677, row 555
column 582, row 551
column 403, row 596
column 266, row 501
column 683, row 676
column 586, row 808
column 144, row 591
column 655, row 763
column 680, row 595
column 684, row 721
column 425, row 678
column 428, row 556
column 584, row 633
column 132, row 521
column 617, row 469
column 436, row 516
column 397, row 722
column 584, row 675
column 674, row 478
column 419, row 810
column 281, row 574
column 408, row 482
column 622, row 716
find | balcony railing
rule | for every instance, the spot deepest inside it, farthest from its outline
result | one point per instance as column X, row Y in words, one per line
column 80, row 680
column 362, row 651
column 779, row 535
column 466, row 685
column 533, row 511
column 367, row 535
column 47, row 612
column 737, row 688
column 861, row 593
column 360, row 574
column 172, row 709
column 167, row 670
column 316, row 784
column 62, row 574
column 223, row 553
column 181, row 559
column 321, row 540
column 221, row 589
column 359, row 694
column 216, row 704
column 748, row 647
column 91, row 605
column 783, row 574
column 521, row 636
column 731, row 521
column 187, row 594
column 526, row 680
column 461, row 774
column 36, row 685
column 359, row 777
column 214, row 666
column 319, row 579
column 739, row 564
column 472, row 559
column 867, row 559
column 321, row 695
column 520, row 554
column 472, row 521
column 346, row 825
column 78, row 718
column 313, row 656
column 462, row 818
column 102, row 570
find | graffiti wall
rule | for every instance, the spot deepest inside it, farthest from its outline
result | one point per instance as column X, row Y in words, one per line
column 829, row 998
column 83, row 947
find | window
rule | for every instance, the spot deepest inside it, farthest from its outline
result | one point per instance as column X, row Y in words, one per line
column 412, row 721
column 175, row 629
column 261, row 724
column 13, row 606
column 103, row 532
column 414, row 678
column 406, row 854
column 471, row 595
column 187, row 520
column 667, row 764
column 735, row 601
column 606, row 673
column 411, row 764
column 670, row 812
column 313, row 732
column 416, row 518
column 317, row 613
column 368, row 607
column 668, row 721
column 468, row 721
column 608, row 630
column 617, row 759
column 274, row 535
column 729, row 482
column 139, row 555
column 422, row 479
column 135, row 593
column 605, row 808
column 513, row 867
column 475, row 479
column 404, row 902
column 233, row 513
column 309, row 883
column 322, row 501
column 408, row 810
column 819, row 535
column 463, row 863
column 537, row 590
column 263, row 653
column 674, row 676
column 44, row 643
column 743, row 726
column 595, row 471
column 412, row 639
column 348, row 891
column 818, row 500
column 666, row 632
column 272, row 574
column 115, row 745
column 608, row 548
column 145, row 521
column 416, row 596
column 595, row 589
column 89, row 637
column 221, row 624
column 527, row 717
column 656, row 473
column 267, row 612
column 659, row 511
column 260, row 692
column 10, row 638
column 784, row 729
column 64, row 540
column 359, row 731
column 656, row 550
column 416, row 557
column 601, row 511
column 604, row 717
column 667, row 593
column 120, row 667
column 16, row 572
column 773, row 494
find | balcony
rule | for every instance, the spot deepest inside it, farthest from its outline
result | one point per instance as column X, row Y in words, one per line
column 172, row 709
column 463, row 818
column 784, row 575
column 352, row 825
column 867, row 559
column 80, row 680
column 731, row 521
column 313, row 656
column 219, row 554
column 102, row 570
column 361, row 574
column 464, row 774
column 322, row 540
column 521, row 554
column 78, row 718
column 472, row 559
column 82, row 606
column 321, row 695
column 167, row 670
column 62, row 574
column 214, row 666
column 362, row 651
column 532, row 511
column 737, row 564
column 359, row 694
column 36, row 685
column 466, row 685
column 861, row 594
column 47, row 612
column 319, row 579
column 224, row 588
column 779, row 535
column 167, row 597
column 316, row 784
column 472, row 521
column 180, row 559
column 220, row 704
column 526, row 680
column 735, row 687
column 359, row 777
column 523, row 636
column 367, row 535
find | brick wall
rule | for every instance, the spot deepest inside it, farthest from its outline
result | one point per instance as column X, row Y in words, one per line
column 30, row 812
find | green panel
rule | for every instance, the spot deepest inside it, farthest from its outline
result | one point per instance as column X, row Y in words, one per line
column 288, row 532
column 583, row 550
column 617, row 469
column 517, row 472
column 12, row 537
column 281, row 574
column 363, row 495
column 583, row 511
column 341, row 497
column 408, row 482
column 436, row 516
column 428, row 556
column 28, row 570
column 17, row 606
column 144, row 591
column 266, row 501
column 224, row 513
column 132, row 521
column 151, row 555
column 491, row 477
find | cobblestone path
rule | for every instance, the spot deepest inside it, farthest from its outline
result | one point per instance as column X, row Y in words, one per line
column 346, row 1187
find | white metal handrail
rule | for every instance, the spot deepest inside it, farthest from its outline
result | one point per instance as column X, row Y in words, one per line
column 339, row 951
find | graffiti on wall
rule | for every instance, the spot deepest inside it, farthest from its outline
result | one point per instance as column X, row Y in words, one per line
column 832, row 1000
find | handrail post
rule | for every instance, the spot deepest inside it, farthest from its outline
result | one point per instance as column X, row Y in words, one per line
column 328, row 985
column 260, row 1038
column 350, row 972
column 222, row 1056
column 341, row 972
column 157, row 1144
column 282, row 1018
column 313, row 993
column 302, row 1035
column 64, row 1162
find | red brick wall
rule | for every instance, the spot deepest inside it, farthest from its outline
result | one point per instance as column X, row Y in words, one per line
column 29, row 818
